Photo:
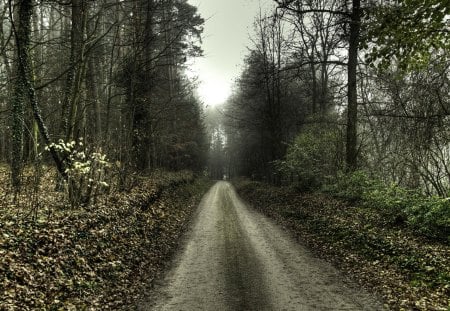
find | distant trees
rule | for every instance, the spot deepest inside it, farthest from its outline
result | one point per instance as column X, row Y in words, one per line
column 158, row 97
column 108, row 73
column 264, row 113
column 283, row 86
column 387, row 115
column 217, row 155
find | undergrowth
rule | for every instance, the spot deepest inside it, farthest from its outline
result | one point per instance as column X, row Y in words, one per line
column 426, row 215
column 408, row 268
column 96, row 258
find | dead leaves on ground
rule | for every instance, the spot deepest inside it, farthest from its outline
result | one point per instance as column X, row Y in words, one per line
column 96, row 259
column 409, row 271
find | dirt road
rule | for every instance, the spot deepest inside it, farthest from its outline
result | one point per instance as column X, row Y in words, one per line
column 237, row 259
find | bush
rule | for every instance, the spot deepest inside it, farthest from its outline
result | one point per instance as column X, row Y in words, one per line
column 392, row 201
column 429, row 216
column 351, row 187
column 313, row 158
column 86, row 170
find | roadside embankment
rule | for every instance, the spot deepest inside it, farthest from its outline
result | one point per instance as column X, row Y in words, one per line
column 100, row 258
column 409, row 271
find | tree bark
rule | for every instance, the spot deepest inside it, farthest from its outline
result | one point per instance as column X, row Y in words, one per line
column 25, row 76
column 74, row 76
column 352, row 93
column 22, row 36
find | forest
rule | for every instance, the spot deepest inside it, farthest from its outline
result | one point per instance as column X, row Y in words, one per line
column 342, row 107
column 346, row 97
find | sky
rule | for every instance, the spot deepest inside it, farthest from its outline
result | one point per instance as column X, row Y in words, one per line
column 226, row 36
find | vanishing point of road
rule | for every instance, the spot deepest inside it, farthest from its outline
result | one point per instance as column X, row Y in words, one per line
column 237, row 259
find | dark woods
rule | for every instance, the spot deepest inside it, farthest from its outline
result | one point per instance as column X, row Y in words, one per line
column 99, row 81
column 329, row 87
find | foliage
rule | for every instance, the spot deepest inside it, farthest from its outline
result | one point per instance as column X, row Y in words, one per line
column 410, row 31
column 86, row 171
column 410, row 272
column 429, row 216
column 314, row 156
column 351, row 187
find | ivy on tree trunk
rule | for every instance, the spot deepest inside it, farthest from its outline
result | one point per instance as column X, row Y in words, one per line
column 25, row 76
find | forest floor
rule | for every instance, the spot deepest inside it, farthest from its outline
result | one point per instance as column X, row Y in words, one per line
column 99, row 258
column 409, row 271
column 235, row 258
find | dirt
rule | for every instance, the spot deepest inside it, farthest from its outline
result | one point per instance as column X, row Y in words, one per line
column 237, row 259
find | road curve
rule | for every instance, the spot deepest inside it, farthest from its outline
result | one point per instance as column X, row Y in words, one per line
column 237, row 259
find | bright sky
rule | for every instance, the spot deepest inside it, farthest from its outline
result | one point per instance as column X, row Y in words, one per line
column 228, row 25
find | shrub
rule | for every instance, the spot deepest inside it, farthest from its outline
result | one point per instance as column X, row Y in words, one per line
column 86, row 171
column 313, row 158
column 429, row 216
column 351, row 187
column 392, row 201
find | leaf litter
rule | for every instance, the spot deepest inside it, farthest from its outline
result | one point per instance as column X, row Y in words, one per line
column 100, row 258
column 408, row 270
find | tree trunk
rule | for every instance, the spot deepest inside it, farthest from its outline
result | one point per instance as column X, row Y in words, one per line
column 115, row 43
column 74, row 76
column 352, row 109
column 314, row 87
column 94, row 99
column 22, row 35
column 17, row 127
column 25, row 76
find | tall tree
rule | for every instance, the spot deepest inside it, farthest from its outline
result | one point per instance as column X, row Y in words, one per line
column 351, row 18
column 22, row 35
column 76, row 69
column 25, row 78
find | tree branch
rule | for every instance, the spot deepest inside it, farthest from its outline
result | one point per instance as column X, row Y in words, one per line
column 300, row 65
column 284, row 4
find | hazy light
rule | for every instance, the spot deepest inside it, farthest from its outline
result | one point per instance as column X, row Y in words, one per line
column 228, row 24
column 214, row 86
column 214, row 92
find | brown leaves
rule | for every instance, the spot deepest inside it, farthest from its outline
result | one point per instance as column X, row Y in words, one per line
column 94, row 259
column 410, row 272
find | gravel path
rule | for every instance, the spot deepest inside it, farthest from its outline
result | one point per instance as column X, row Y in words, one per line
column 237, row 259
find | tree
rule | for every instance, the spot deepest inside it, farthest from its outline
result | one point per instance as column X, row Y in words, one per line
column 266, row 110
column 404, row 126
column 352, row 18
column 22, row 36
column 25, row 79
column 107, row 74
column 75, row 73
column 165, row 34
column 315, row 39
column 408, row 32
